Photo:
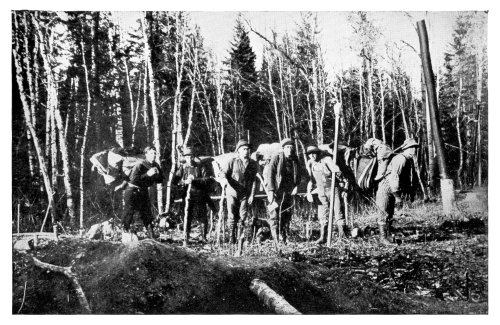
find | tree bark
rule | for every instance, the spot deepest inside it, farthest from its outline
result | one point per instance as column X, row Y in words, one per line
column 84, row 140
column 459, row 137
column 27, row 115
column 52, row 103
column 156, row 124
column 382, row 107
column 271, row 299
column 447, row 190
column 271, row 90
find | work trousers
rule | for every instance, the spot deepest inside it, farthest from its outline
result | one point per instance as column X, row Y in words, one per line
column 324, row 207
column 280, row 217
column 237, row 217
column 385, row 202
column 197, row 209
column 136, row 200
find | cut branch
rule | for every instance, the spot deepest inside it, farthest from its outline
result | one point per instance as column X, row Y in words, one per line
column 66, row 271
column 271, row 299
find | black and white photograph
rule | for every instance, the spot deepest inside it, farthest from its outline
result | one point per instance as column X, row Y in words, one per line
column 216, row 162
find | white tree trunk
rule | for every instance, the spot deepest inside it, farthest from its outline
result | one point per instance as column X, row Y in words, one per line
column 156, row 125
column 84, row 140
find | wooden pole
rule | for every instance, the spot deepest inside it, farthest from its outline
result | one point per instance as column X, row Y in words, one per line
column 186, row 211
column 336, row 109
column 447, row 190
column 18, row 216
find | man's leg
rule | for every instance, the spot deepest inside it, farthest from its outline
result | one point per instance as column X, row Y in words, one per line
column 323, row 210
column 384, row 199
column 145, row 211
column 338, row 212
column 286, row 216
column 233, row 206
column 128, row 208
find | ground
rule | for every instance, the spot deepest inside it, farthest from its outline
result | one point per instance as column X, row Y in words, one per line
column 440, row 266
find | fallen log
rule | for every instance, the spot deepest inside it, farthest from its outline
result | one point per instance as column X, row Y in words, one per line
column 271, row 299
column 71, row 276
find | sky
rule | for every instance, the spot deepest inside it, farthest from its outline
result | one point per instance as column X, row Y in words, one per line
column 217, row 29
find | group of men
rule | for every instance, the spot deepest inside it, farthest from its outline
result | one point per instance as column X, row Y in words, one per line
column 281, row 176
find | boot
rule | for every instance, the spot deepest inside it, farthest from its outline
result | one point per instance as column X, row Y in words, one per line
column 383, row 234
column 322, row 234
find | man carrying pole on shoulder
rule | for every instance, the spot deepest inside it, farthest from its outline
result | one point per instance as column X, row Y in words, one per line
column 322, row 170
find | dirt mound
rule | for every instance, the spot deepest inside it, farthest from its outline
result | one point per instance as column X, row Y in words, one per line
column 148, row 277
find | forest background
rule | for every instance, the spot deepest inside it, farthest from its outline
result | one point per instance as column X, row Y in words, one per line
column 175, row 91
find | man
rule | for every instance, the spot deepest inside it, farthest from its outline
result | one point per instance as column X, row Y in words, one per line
column 194, row 173
column 322, row 169
column 136, row 195
column 398, row 178
column 282, row 177
column 376, row 148
column 240, row 177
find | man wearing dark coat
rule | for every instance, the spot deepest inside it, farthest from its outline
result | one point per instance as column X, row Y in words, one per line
column 136, row 195
column 240, row 176
column 195, row 174
column 282, row 177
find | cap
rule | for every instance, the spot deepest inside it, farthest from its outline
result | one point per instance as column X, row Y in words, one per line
column 312, row 149
column 286, row 142
column 409, row 143
column 242, row 143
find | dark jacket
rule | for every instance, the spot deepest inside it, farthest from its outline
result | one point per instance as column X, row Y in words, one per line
column 139, row 176
column 201, row 180
column 241, row 180
column 273, row 173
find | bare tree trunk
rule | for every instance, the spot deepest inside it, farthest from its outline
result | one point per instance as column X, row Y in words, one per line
column 382, row 107
column 271, row 89
column 447, row 190
column 286, row 128
column 84, row 140
column 156, row 124
column 52, row 103
column 479, row 92
column 460, row 146
column 371, row 104
column 27, row 115
column 176, row 121
column 145, row 111
column 317, row 107
column 191, row 109
column 220, row 112
column 361, row 111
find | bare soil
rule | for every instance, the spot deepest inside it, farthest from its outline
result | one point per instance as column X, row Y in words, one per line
column 440, row 266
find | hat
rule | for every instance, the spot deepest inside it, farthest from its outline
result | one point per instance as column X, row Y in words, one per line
column 409, row 143
column 286, row 142
column 312, row 149
column 242, row 143
column 188, row 151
